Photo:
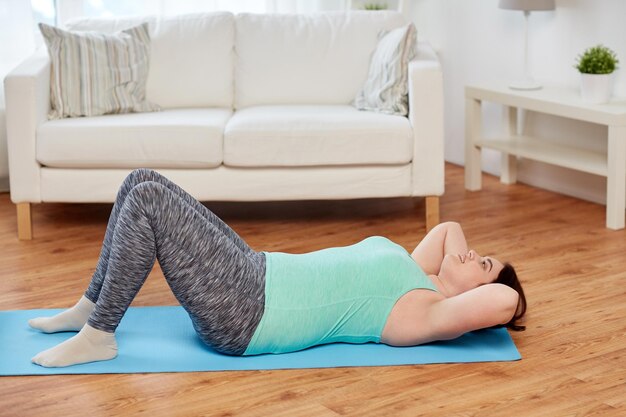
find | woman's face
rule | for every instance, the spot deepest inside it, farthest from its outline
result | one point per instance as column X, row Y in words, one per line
column 468, row 270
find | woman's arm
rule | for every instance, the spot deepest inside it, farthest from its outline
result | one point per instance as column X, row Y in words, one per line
column 442, row 239
column 479, row 308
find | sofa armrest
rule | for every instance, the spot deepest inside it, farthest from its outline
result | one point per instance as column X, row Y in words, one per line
column 27, row 97
column 426, row 118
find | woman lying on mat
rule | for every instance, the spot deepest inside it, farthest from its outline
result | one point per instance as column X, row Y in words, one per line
column 243, row 302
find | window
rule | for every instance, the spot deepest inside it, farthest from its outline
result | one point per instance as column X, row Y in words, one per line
column 60, row 11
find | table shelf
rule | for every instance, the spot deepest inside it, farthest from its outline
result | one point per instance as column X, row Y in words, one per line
column 556, row 101
column 544, row 151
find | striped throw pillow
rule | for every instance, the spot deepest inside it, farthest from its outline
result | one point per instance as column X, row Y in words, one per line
column 96, row 73
column 386, row 88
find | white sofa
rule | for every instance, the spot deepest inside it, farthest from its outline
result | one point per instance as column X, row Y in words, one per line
column 255, row 108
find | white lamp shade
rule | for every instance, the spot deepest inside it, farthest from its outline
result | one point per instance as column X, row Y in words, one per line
column 527, row 5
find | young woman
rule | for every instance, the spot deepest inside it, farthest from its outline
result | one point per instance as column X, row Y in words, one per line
column 244, row 302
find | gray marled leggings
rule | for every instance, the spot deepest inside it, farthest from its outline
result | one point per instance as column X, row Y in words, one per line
column 217, row 278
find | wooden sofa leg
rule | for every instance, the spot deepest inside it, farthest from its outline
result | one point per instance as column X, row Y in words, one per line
column 432, row 212
column 24, row 222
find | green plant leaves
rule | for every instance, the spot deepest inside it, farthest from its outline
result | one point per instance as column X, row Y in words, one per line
column 597, row 60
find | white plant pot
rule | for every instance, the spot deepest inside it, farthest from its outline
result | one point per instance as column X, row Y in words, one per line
column 596, row 88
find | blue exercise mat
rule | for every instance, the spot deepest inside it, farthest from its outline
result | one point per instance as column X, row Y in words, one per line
column 162, row 339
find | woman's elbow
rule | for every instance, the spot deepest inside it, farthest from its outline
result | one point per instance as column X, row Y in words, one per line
column 452, row 225
column 510, row 302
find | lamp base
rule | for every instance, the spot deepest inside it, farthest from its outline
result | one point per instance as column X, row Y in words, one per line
column 527, row 84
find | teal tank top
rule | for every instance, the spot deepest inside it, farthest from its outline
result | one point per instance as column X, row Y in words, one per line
column 342, row 294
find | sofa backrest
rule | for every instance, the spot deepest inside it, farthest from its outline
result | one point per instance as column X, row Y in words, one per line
column 320, row 58
column 191, row 60
column 222, row 60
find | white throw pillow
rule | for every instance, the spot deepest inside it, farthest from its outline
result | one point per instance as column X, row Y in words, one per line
column 95, row 73
column 386, row 87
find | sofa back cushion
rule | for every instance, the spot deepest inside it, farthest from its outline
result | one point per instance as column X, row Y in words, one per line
column 191, row 59
column 319, row 58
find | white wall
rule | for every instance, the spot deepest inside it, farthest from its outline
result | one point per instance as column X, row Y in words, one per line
column 4, row 153
column 478, row 42
column 16, row 43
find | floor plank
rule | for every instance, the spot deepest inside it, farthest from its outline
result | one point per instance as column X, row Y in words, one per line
column 572, row 267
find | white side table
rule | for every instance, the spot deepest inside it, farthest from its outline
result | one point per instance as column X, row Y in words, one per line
column 564, row 102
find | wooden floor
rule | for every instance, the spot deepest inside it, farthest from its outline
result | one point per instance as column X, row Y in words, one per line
column 574, row 348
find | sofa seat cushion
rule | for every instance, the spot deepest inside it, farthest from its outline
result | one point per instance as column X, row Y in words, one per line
column 301, row 135
column 175, row 138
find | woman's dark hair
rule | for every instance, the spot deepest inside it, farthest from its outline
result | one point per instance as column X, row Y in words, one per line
column 508, row 277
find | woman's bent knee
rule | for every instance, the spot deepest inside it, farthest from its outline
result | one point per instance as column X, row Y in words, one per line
column 149, row 190
column 139, row 175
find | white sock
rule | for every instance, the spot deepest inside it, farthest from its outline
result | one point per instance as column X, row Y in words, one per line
column 72, row 319
column 89, row 345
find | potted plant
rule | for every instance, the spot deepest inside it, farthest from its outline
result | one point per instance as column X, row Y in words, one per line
column 375, row 6
column 596, row 66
